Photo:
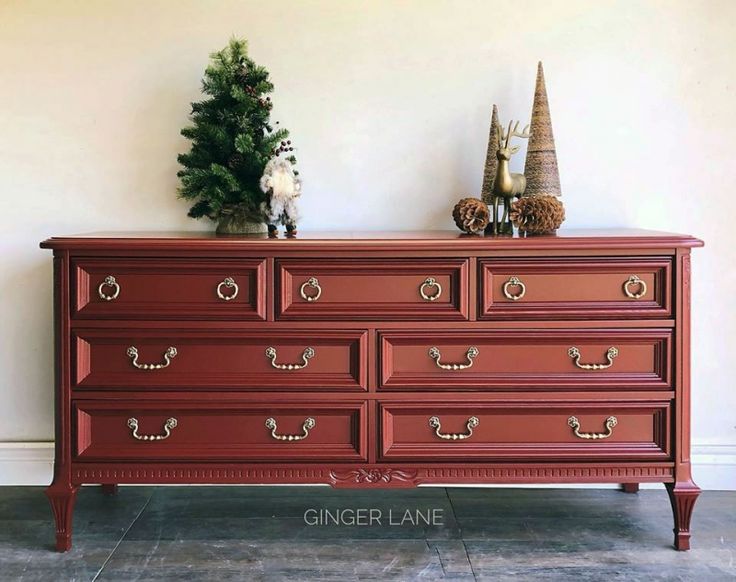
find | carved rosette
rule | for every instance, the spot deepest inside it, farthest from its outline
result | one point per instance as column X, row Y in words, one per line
column 374, row 476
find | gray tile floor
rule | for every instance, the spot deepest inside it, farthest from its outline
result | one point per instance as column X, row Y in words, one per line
column 259, row 533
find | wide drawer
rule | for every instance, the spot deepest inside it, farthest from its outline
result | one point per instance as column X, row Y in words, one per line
column 502, row 359
column 575, row 287
column 219, row 359
column 435, row 289
column 582, row 430
column 169, row 289
column 129, row 430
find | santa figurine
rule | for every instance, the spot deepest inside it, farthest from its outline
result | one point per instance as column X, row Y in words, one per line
column 282, row 188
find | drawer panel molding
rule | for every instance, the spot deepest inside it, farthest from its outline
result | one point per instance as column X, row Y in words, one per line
column 498, row 359
column 125, row 430
column 181, row 289
column 361, row 289
column 482, row 430
column 218, row 359
column 568, row 288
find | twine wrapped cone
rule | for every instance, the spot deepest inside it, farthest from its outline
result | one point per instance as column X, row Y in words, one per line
column 542, row 174
column 489, row 172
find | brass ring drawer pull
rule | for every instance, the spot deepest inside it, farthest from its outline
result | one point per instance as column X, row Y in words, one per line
column 430, row 282
column 471, row 354
column 230, row 283
column 574, row 353
column 169, row 354
column 471, row 423
column 170, row 424
column 307, row 355
column 574, row 423
column 309, row 424
column 516, row 282
column 314, row 284
column 109, row 282
column 634, row 280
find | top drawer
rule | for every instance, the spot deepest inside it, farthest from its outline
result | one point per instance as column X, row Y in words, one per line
column 169, row 289
column 404, row 289
column 566, row 288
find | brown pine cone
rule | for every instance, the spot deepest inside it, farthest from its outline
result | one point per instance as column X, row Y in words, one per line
column 537, row 214
column 471, row 215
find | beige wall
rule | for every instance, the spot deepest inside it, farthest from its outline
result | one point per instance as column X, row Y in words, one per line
column 388, row 103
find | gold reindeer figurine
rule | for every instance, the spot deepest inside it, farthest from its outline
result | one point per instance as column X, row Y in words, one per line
column 507, row 185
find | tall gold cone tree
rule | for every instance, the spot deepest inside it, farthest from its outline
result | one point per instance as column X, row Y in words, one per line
column 489, row 172
column 542, row 174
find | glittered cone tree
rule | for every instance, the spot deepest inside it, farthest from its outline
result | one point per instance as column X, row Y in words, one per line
column 232, row 141
column 542, row 175
column 489, row 171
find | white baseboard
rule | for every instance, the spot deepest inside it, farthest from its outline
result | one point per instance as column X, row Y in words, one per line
column 26, row 463
column 714, row 466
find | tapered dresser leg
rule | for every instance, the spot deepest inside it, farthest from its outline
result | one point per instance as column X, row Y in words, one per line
column 630, row 487
column 683, row 495
column 62, row 498
column 109, row 488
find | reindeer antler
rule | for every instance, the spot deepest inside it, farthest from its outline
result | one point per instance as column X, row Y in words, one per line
column 515, row 132
column 505, row 137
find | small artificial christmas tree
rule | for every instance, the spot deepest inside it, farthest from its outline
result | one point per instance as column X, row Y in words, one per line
column 232, row 141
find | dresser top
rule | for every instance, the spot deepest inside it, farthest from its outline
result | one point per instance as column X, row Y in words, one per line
column 572, row 239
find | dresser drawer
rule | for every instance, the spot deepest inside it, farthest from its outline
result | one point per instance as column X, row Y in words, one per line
column 571, row 287
column 219, row 359
column 130, row 430
column 582, row 430
column 359, row 289
column 169, row 289
column 503, row 359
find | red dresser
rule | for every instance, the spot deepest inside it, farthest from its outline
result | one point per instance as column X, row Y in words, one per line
column 373, row 360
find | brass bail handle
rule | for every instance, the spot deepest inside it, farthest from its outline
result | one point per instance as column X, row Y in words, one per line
column 471, row 354
column 574, row 353
column 169, row 425
column 574, row 423
column 307, row 425
column 307, row 355
column 169, row 354
column 470, row 424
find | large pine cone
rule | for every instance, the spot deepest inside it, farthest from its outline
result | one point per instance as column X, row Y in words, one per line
column 537, row 214
column 471, row 215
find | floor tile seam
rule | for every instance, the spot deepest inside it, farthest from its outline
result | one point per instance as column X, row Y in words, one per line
column 125, row 533
column 460, row 531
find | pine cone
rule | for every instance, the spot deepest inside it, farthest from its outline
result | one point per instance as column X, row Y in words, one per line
column 537, row 214
column 471, row 215
column 235, row 161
